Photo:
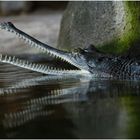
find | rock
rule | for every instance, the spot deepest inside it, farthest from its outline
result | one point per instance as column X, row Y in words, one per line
column 107, row 24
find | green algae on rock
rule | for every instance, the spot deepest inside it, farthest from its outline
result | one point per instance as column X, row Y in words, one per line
column 111, row 26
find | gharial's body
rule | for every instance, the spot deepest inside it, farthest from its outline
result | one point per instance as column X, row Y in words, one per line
column 88, row 61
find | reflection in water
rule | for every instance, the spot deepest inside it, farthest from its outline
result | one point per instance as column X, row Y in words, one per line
column 36, row 106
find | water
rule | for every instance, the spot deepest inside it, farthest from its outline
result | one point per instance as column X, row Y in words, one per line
column 33, row 105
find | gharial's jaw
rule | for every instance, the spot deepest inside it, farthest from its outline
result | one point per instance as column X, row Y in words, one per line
column 64, row 56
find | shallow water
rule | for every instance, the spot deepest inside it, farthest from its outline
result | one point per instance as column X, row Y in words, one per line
column 33, row 105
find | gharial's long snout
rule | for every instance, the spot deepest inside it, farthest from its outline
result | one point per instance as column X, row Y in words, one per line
column 64, row 56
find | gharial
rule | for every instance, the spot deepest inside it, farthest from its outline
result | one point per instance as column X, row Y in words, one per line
column 89, row 61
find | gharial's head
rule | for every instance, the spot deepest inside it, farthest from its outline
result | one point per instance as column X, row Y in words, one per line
column 88, row 60
column 84, row 60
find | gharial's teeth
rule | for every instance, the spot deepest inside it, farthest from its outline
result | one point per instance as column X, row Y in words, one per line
column 39, row 67
column 36, row 67
column 39, row 47
column 17, row 61
column 32, row 44
column 27, row 62
column 48, row 52
column 19, row 36
column 5, row 57
column 36, row 45
column 29, row 41
column 9, row 59
column 43, row 67
column 26, row 41
column 33, row 66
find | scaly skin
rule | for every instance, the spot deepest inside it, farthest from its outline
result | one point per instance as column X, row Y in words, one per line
column 89, row 61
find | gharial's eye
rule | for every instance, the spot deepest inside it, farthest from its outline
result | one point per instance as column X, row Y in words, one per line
column 75, row 51
column 78, row 50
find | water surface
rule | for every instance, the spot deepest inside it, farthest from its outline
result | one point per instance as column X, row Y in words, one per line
column 33, row 105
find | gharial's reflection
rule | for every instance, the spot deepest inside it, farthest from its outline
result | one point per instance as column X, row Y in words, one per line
column 34, row 99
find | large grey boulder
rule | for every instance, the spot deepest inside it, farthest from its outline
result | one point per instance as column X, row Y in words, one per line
column 98, row 23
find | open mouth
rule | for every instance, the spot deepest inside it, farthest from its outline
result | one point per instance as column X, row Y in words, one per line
column 64, row 64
